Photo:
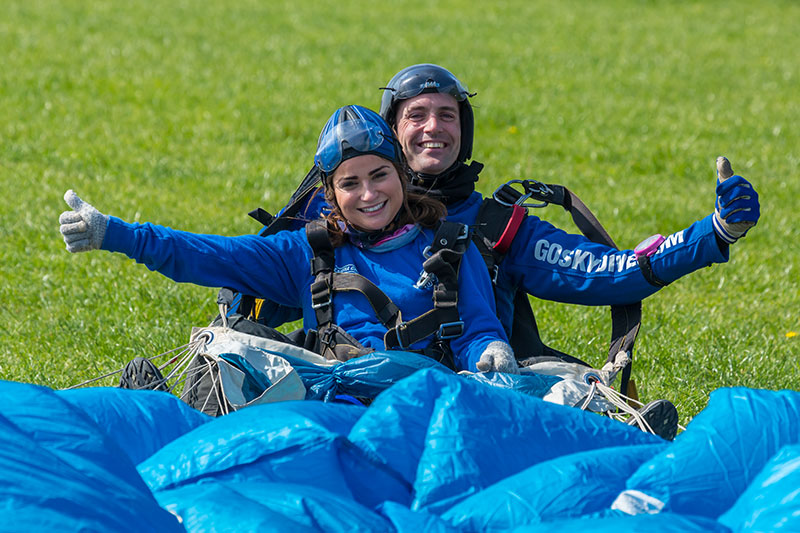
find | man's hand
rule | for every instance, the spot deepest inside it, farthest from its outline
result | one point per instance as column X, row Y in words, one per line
column 737, row 208
column 498, row 357
column 84, row 227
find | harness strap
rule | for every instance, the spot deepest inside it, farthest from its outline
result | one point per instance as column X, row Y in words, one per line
column 497, row 224
column 385, row 309
column 625, row 319
column 514, row 222
column 322, row 265
column 443, row 321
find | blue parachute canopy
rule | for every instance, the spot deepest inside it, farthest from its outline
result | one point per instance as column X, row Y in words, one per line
column 435, row 452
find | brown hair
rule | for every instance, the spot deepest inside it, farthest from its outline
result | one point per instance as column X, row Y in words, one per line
column 416, row 209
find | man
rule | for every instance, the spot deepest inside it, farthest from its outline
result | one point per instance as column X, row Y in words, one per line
column 430, row 111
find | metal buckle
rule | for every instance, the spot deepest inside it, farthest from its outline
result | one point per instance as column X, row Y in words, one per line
column 530, row 186
column 401, row 326
column 321, row 304
column 463, row 234
column 424, row 279
column 495, row 271
column 444, row 335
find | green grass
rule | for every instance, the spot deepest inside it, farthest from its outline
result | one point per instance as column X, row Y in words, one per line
column 191, row 113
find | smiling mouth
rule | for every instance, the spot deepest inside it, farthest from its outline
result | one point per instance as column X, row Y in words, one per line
column 373, row 208
column 432, row 144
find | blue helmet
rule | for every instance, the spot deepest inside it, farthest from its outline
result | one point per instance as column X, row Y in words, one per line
column 351, row 131
column 428, row 78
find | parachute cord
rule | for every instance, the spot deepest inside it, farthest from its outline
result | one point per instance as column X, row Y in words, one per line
column 223, row 313
column 621, row 402
column 108, row 375
column 589, row 396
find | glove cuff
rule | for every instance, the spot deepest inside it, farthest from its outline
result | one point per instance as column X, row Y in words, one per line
column 722, row 229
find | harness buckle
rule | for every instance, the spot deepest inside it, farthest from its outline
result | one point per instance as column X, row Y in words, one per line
column 495, row 271
column 450, row 330
column 463, row 233
column 424, row 279
column 400, row 330
column 531, row 187
column 534, row 186
column 317, row 305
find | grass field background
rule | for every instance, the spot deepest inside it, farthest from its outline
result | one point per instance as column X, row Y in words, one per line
column 191, row 113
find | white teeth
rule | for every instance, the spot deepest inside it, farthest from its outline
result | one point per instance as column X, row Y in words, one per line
column 432, row 144
column 373, row 209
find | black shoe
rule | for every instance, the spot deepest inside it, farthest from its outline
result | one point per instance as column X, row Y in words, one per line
column 141, row 373
column 661, row 416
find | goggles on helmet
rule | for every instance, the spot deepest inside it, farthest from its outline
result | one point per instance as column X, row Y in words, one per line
column 424, row 82
column 358, row 135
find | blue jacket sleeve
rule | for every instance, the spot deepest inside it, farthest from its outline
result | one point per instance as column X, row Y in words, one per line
column 554, row 265
column 269, row 266
column 476, row 307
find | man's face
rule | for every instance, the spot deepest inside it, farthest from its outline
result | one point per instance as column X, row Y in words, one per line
column 428, row 127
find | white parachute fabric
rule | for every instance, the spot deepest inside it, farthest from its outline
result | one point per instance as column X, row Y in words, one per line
column 242, row 358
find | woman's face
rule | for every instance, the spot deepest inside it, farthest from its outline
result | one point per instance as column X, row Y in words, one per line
column 368, row 191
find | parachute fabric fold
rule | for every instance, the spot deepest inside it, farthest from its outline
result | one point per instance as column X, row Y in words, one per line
column 243, row 506
column 61, row 472
column 721, row 452
column 449, row 437
column 140, row 421
column 285, row 442
column 568, row 486
column 772, row 501
column 437, row 452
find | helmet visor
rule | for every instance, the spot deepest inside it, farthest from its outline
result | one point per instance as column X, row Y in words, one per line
column 359, row 135
column 423, row 83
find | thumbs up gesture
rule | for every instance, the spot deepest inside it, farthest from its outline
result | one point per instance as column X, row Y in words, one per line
column 84, row 227
column 737, row 208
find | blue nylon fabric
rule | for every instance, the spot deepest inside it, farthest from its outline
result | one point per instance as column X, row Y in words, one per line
column 435, row 452
column 58, row 469
column 772, row 501
column 252, row 444
column 263, row 506
column 568, row 486
column 255, row 382
column 707, row 468
column 364, row 376
column 140, row 421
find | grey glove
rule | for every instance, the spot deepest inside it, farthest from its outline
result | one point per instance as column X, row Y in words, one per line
column 84, row 227
column 498, row 357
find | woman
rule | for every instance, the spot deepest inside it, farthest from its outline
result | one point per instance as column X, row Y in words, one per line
column 373, row 238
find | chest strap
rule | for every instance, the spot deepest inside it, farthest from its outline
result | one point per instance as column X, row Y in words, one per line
column 441, row 266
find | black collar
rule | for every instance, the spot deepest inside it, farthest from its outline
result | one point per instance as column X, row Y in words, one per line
column 453, row 185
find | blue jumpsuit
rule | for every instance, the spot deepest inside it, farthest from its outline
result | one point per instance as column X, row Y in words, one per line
column 278, row 267
column 551, row 264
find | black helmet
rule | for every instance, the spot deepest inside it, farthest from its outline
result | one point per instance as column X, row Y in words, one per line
column 429, row 78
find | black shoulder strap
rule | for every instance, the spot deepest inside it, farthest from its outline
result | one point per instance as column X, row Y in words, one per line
column 625, row 319
column 299, row 199
column 496, row 225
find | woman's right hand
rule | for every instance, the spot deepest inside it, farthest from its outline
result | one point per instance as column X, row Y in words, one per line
column 498, row 357
column 84, row 227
